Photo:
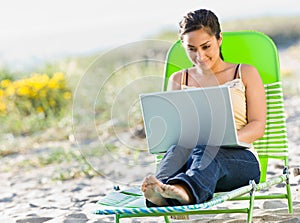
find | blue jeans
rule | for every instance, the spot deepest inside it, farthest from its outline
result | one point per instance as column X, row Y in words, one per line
column 205, row 170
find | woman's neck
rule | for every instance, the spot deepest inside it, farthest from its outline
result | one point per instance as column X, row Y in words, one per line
column 219, row 66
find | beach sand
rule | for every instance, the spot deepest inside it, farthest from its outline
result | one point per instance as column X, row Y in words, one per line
column 31, row 196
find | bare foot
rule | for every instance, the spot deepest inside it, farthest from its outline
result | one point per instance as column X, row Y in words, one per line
column 176, row 191
column 156, row 192
column 151, row 189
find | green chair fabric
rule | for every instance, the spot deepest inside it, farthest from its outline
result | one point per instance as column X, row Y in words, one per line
column 248, row 47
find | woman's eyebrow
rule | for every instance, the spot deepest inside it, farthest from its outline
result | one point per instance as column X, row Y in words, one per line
column 199, row 45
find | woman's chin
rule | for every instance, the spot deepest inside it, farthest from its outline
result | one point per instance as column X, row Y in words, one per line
column 203, row 66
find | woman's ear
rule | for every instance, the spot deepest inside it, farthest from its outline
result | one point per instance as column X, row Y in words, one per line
column 220, row 39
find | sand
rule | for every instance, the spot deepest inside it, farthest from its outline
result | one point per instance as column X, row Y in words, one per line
column 29, row 195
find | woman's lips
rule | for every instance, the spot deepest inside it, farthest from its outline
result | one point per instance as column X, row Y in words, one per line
column 202, row 62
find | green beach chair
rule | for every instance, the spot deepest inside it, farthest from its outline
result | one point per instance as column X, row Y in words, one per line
column 248, row 47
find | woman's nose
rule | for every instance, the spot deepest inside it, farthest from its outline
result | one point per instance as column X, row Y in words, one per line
column 200, row 54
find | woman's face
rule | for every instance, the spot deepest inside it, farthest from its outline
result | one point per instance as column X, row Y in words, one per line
column 202, row 48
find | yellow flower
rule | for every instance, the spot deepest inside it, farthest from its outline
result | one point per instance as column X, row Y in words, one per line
column 52, row 102
column 67, row 95
column 5, row 83
column 39, row 109
column 37, row 81
column 23, row 91
column 52, row 84
column 57, row 81
column 34, row 89
column 2, row 107
column 43, row 93
column 10, row 90
column 58, row 76
column 36, row 86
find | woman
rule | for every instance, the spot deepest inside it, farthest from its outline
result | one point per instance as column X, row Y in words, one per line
column 189, row 176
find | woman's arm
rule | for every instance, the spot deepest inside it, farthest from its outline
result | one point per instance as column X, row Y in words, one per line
column 256, row 105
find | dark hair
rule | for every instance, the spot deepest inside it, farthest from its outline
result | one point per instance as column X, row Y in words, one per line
column 200, row 19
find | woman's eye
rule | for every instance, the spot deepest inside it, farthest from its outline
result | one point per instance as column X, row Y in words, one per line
column 192, row 49
column 205, row 47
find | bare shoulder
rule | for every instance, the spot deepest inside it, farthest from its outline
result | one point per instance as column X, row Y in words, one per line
column 250, row 75
column 176, row 76
column 248, row 69
column 174, row 82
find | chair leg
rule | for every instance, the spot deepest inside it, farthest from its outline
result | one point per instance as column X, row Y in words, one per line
column 288, row 190
column 166, row 219
column 117, row 218
column 289, row 197
column 251, row 201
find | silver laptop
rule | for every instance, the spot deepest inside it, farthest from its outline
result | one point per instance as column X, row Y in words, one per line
column 191, row 117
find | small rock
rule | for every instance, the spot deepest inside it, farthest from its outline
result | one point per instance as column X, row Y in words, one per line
column 273, row 205
column 296, row 171
column 34, row 220
column 7, row 197
column 79, row 215
column 76, row 218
